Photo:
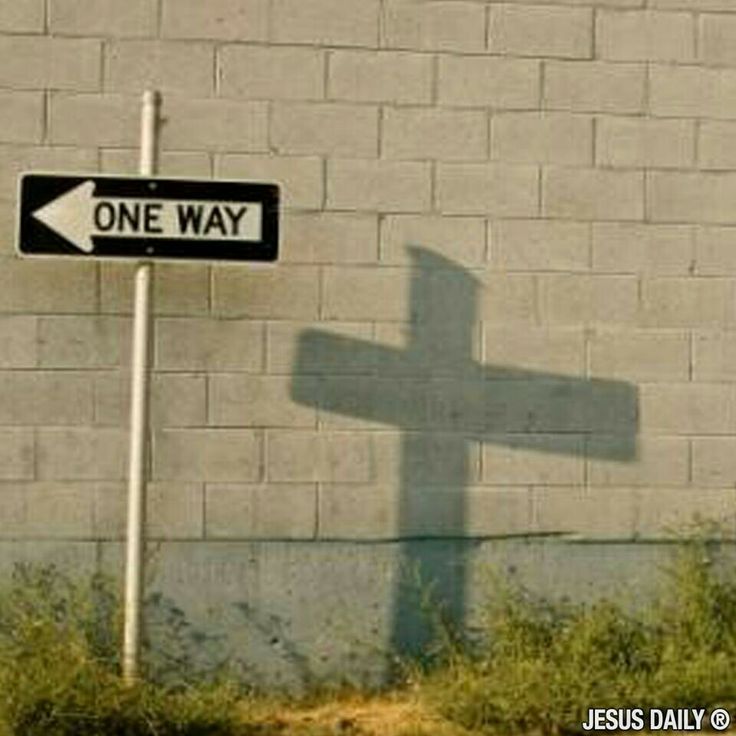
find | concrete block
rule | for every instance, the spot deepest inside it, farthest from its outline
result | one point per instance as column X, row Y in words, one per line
column 714, row 356
column 333, row 457
column 289, row 292
column 17, row 158
column 535, row 349
column 273, row 511
column 691, row 197
column 368, row 402
column 210, row 455
column 451, row 351
column 327, row 128
column 326, row 22
column 645, row 143
column 47, row 510
column 385, row 186
column 723, row 6
column 47, row 286
column 284, row 347
column 431, row 133
column 478, row 81
column 598, row 513
column 177, row 399
column 714, row 251
column 227, row 20
column 17, row 454
column 437, row 26
column 215, row 124
column 509, row 299
column 717, row 34
column 692, row 91
column 256, row 401
column 714, row 461
column 424, row 460
column 172, row 68
column 378, row 517
column 209, row 344
column 542, row 137
column 594, row 86
column 425, row 513
column 188, row 164
column 716, row 142
column 595, row 3
column 173, row 511
column 179, row 289
column 687, row 302
column 7, row 229
column 65, row 554
column 106, row 18
column 667, row 512
column 83, row 342
column 498, row 190
column 540, row 245
column 496, row 512
column 592, row 194
column 460, row 239
column 329, row 237
column 380, row 76
column 45, row 398
column 541, row 31
column 660, row 461
column 18, row 338
column 300, row 178
column 271, row 72
column 686, row 409
column 640, row 356
column 350, row 294
column 21, row 117
column 43, row 62
column 82, row 453
column 577, row 299
column 662, row 250
column 534, row 460
column 94, row 119
column 25, row 17
column 546, row 405
column 478, row 511
column 645, row 35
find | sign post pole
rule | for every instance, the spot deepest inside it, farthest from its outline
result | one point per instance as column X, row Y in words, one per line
column 137, row 467
column 145, row 218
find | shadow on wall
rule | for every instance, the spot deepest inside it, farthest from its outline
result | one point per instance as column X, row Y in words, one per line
column 442, row 398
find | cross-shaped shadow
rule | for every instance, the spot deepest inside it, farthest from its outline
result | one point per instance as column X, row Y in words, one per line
column 442, row 398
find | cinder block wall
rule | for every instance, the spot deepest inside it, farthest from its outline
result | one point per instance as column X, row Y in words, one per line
column 505, row 303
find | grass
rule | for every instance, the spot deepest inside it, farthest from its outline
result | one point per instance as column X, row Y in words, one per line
column 539, row 666
column 59, row 669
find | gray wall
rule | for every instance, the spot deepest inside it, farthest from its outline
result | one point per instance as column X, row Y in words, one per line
column 501, row 330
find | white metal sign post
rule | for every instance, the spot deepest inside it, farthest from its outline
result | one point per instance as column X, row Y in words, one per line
column 140, row 380
column 145, row 218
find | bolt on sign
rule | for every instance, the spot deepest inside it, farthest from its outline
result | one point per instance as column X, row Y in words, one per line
column 147, row 218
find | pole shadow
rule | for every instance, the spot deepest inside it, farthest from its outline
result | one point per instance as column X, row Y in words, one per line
column 442, row 399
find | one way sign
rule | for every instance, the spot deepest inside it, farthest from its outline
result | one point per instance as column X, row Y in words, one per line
column 148, row 218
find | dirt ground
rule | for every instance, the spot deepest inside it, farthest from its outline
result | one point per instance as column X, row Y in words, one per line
column 395, row 715
column 354, row 716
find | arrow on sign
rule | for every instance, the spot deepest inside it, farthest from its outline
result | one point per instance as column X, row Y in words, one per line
column 79, row 215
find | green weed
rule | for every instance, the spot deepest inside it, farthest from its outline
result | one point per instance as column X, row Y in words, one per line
column 59, row 669
column 540, row 666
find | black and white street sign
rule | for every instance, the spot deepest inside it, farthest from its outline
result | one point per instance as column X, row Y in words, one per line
column 147, row 218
